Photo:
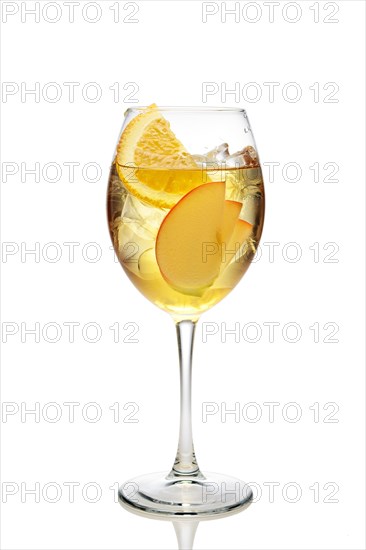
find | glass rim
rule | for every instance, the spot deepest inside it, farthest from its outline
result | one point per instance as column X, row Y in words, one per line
column 193, row 109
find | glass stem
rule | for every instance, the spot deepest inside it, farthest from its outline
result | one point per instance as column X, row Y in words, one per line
column 185, row 462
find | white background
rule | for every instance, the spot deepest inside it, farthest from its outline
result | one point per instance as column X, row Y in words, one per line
column 169, row 53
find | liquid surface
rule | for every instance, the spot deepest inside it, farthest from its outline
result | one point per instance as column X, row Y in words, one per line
column 165, row 272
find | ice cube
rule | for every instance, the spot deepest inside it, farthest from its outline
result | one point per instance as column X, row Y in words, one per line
column 247, row 157
column 246, row 179
column 250, row 156
column 218, row 154
column 236, row 160
column 137, row 230
column 147, row 265
column 199, row 159
column 149, row 217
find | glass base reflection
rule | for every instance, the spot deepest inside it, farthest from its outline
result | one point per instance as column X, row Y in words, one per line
column 186, row 495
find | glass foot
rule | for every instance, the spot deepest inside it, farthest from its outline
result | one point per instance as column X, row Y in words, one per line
column 185, row 495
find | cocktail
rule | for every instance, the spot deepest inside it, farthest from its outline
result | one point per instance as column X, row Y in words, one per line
column 185, row 211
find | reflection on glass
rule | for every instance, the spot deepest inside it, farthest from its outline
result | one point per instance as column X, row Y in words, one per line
column 185, row 527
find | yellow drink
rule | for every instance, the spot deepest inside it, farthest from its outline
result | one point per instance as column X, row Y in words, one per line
column 187, row 260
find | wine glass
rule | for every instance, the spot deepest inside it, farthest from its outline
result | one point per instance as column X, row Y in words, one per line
column 185, row 211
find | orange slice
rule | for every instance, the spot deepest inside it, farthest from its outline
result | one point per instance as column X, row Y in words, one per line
column 152, row 163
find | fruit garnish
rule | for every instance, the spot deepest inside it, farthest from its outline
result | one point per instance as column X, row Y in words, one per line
column 239, row 235
column 194, row 239
column 230, row 215
column 152, row 163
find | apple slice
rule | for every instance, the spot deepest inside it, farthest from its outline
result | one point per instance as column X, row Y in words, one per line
column 234, row 265
column 188, row 250
column 239, row 235
column 231, row 214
